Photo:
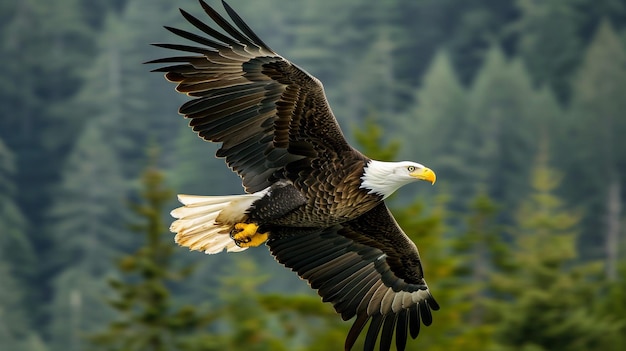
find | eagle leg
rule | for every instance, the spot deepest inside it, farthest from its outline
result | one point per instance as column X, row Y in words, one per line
column 246, row 235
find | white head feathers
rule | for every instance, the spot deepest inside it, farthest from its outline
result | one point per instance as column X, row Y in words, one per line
column 384, row 178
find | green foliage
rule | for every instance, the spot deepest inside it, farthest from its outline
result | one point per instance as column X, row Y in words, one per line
column 14, row 324
column 374, row 78
column 38, row 123
column 595, row 119
column 17, row 262
column 440, row 104
column 500, row 128
column 248, row 325
column 370, row 138
column 149, row 318
column 85, row 223
column 462, row 262
column 15, row 247
column 479, row 249
column 541, row 304
column 612, row 305
column 37, row 126
column 549, row 28
column 119, row 92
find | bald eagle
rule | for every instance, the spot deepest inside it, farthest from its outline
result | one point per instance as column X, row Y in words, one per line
column 316, row 202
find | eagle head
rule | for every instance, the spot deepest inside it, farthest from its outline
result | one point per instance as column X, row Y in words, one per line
column 384, row 178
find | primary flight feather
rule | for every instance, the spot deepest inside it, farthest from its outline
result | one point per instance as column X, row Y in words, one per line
column 317, row 202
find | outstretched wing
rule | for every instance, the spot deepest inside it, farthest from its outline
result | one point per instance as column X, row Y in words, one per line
column 271, row 117
column 366, row 268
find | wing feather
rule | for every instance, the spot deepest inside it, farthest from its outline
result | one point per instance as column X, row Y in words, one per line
column 366, row 268
column 414, row 321
column 387, row 332
column 247, row 95
column 348, row 292
column 372, row 332
column 402, row 329
column 208, row 30
column 355, row 330
column 346, row 303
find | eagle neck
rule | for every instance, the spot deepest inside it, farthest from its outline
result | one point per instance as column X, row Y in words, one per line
column 376, row 178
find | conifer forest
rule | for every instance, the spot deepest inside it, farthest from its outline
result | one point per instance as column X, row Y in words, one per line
column 519, row 106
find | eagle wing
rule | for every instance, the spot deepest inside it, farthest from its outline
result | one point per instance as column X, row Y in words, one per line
column 366, row 268
column 272, row 118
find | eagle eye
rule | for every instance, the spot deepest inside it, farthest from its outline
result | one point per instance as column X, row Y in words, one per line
column 411, row 168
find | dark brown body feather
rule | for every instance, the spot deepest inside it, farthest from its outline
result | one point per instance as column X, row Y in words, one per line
column 277, row 131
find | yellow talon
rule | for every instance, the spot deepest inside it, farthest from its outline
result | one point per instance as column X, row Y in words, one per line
column 255, row 240
column 245, row 235
column 244, row 230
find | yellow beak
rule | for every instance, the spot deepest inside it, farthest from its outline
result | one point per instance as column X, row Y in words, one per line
column 424, row 174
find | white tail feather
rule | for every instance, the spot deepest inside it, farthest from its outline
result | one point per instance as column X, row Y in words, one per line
column 204, row 222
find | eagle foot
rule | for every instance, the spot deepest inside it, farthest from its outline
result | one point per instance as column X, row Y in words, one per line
column 246, row 235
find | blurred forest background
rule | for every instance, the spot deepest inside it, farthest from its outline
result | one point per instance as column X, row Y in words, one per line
column 519, row 106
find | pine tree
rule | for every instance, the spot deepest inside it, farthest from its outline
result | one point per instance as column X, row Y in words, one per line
column 37, row 123
column 596, row 129
column 540, row 303
column 16, row 264
column 433, row 126
column 612, row 305
column 31, row 125
column 148, row 316
column 134, row 105
column 549, row 42
column 499, row 136
column 87, row 231
column 372, row 87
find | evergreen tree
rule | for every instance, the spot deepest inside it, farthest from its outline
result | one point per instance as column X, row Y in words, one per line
column 612, row 305
column 37, row 123
column 434, row 125
column 87, row 231
column 32, row 125
column 479, row 248
column 549, row 42
column 592, row 12
column 552, row 35
column 499, row 139
column 596, row 128
column 131, row 104
column 149, row 318
column 421, row 28
column 86, row 219
column 372, row 87
column 16, row 264
column 324, row 329
column 541, row 305
column 15, row 246
column 247, row 323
